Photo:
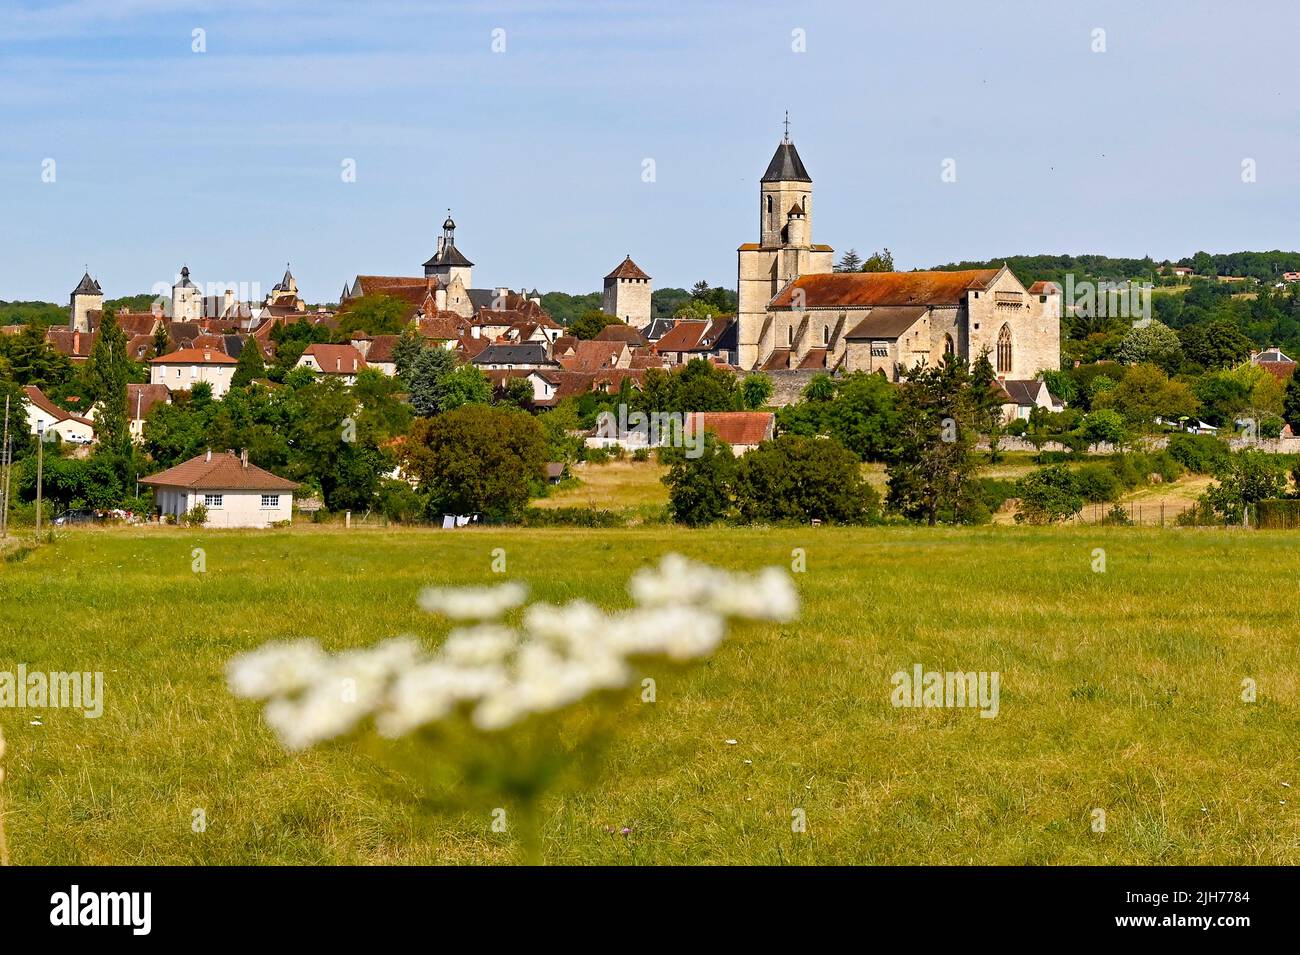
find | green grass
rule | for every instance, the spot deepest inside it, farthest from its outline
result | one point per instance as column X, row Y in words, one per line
column 1120, row 691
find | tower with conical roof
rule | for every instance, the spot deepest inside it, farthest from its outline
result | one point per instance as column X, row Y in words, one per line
column 626, row 294
column 785, row 251
column 86, row 297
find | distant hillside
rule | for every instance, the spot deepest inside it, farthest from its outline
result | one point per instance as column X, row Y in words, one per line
column 1265, row 266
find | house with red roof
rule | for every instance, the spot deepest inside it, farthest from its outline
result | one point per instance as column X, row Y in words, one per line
column 234, row 492
column 45, row 417
column 184, row 368
column 342, row 361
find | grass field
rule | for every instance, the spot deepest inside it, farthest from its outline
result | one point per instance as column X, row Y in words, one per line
column 1120, row 691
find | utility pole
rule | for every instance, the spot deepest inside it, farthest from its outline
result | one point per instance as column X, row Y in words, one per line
column 40, row 468
column 4, row 508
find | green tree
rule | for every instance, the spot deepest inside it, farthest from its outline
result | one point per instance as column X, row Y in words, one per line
column 374, row 315
column 699, row 489
column 466, row 385
column 1250, row 477
column 108, row 371
column 33, row 361
column 800, row 479
column 405, row 353
column 162, row 344
column 850, row 261
column 1145, row 393
column 986, row 399
column 428, row 373
column 1048, row 495
column 756, row 390
column 931, row 465
column 478, row 460
column 1291, row 403
column 591, row 323
column 517, row 393
column 1154, row 344
column 882, row 261
column 250, row 365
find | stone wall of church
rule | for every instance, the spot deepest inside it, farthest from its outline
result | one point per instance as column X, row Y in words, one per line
column 1033, row 325
column 81, row 304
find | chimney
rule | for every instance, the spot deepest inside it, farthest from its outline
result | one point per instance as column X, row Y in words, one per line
column 76, row 342
column 243, row 458
column 338, row 364
column 208, row 457
column 207, row 354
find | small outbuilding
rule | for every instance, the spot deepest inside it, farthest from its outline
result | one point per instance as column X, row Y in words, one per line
column 234, row 492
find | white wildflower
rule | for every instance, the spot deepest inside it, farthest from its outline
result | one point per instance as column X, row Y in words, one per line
column 768, row 595
column 473, row 603
column 276, row 669
column 482, row 645
column 431, row 691
column 679, row 633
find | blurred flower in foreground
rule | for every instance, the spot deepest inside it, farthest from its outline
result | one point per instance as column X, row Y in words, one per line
column 500, row 675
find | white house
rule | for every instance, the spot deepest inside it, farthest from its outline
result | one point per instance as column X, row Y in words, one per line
column 234, row 492
column 45, row 415
column 182, row 369
column 343, row 361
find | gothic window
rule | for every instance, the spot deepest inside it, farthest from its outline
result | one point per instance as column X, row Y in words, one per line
column 826, row 334
column 1004, row 350
column 948, row 347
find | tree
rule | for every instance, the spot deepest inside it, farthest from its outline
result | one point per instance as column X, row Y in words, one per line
column 405, row 353
column 250, row 365
column 850, row 261
column 517, row 393
column 478, row 460
column 374, row 315
column 466, row 385
column 427, row 373
column 33, row 361
column 1155, row 344
column 1291, row 403
column 108, row 372
column 591, row 324
column 987, row 401
column 696, row 310
column 1218, row 344
column 799, row 479
column 931, row 465
column 699, row 489
column 1048, row 495
column 756, row 390
column 882, row 261
column 1105, row 424
column 161, row 340
column 1145, row 393
column 1250, row 477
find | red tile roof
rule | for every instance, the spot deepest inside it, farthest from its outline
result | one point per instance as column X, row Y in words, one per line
column 627, row 269
column 140, row 399
column 336, row 359
column 219, row 472
column 618, row 332
column 861, row 289
column 195, row 356
column 737, row 427
column 39, row 400
column 593, row 356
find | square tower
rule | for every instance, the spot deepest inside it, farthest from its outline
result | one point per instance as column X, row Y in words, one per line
column 626, row 294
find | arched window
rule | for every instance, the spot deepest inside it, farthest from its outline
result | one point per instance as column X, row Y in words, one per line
column 1004, row 350
column 789, row 335
column 948, row 347
column 826, row 334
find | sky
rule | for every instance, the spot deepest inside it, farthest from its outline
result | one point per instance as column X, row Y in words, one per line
column 565, row 135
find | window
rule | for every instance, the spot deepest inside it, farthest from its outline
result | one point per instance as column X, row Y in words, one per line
column 789, row 335
column 211, row 500
column 880, row 349
column 948, row 347
column 826, row 334
column 1004, row 350
column 270, row 500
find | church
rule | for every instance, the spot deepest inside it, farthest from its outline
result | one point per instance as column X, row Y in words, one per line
column 796, row 312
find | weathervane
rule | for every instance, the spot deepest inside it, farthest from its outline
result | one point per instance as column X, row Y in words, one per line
column 787, row 126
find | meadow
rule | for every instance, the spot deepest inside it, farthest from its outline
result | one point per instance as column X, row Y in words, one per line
column 1121, row 691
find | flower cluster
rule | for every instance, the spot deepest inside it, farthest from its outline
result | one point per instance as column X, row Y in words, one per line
column 501, row 674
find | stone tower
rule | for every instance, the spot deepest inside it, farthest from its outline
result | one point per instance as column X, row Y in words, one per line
column 448, row 262
column 785, row 251
column 187, row 300
column 627, row 294
column 86, row 297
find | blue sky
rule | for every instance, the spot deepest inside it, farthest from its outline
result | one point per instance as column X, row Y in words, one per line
column 230, row 160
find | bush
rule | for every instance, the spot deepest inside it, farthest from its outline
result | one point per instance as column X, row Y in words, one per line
column 1048, row 495
column 1097, row 483
column 1117, row 517
column 641, row 454
column 197, row 516
column 570, row 517
column 699, row 488
column 797, row 479
column 1199, row 453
